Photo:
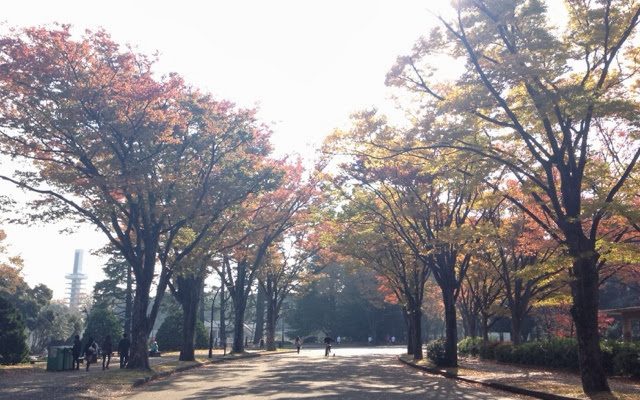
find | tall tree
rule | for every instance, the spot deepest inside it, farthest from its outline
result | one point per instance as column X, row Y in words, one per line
column 284, row 269
column 116, row 290
column 56, row 322
column 258, row 333
column 13, row 340
column 403, row 274
column 479, row 294
column 29, row 301
column 110, row 144
column 261, row 221
column 101, row 322
column 526, row 263
column 554, row 108
column 431, row 207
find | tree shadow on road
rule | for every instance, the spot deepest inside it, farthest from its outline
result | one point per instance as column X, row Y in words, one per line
column 323, row 378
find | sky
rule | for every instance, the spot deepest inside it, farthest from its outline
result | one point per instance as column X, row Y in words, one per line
column 306, row 65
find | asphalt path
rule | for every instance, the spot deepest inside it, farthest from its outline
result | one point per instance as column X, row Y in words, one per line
column 352, row 373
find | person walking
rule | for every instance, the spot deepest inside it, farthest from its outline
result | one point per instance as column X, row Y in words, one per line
column 107, row 349
column 298, row 343
column 123, row 350
column 90, row 349
column 76, row 352
column 338, row 340
column 327, row 346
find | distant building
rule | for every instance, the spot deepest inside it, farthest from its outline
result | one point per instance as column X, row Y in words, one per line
column 75, row 281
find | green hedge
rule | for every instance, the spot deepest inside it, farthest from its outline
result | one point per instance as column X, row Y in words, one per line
column 436, row 351
column 621, row 358
column 470, row 346
column 169, row 335
column 618, row 358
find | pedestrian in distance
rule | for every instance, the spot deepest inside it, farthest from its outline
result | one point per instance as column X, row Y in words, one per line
column 338, row 340
column 298, row 343
column 123, row 350
column 90, row 350
column 76, row 352
column 327, row 346
column 261, row 343
column 154, row 350
column 107, row 349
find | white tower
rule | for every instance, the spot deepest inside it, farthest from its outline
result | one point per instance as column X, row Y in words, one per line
column 75, row 281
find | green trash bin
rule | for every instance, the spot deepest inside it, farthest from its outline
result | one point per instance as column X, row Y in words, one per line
column 68, row 358
column 55, row 359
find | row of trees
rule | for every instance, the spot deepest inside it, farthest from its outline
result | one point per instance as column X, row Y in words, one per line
column 515, row 178
column 181, row 185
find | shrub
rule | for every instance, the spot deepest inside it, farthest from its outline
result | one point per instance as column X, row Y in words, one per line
column 470, row 346
column 561, row 353
column 618, row 358
column 169, row 335
column 607, row 349
column 530, row 353
column 487, row 350
column 504, row 352
column 436, row 351
column 626, row 359
column 13, row 341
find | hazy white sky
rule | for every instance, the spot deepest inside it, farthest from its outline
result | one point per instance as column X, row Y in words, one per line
column 305, row 64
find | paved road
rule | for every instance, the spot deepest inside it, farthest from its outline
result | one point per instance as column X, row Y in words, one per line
column 353, row 373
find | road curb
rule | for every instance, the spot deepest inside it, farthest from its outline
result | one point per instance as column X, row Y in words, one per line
column 494, row 385
column 142, row 381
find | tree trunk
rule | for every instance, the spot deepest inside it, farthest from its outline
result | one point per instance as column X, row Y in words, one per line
column 271, row 326
column 213, row 303
column 473, row 326
column 143, row 320
column 189, row 318
column 417, row 334
column 451, row 328
column 409, row 323
column 239, row 305
column 465, row 323
column 516, row 326
column 139, row 356
column 128, row 305
column 259, row 331
column 584, row 290
column 222, row 335
column 485, row 328
column 189, row 295
column 202, row 306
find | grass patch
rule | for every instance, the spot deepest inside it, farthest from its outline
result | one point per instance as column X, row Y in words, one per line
column 173, row 365
column 119, row 377
column 24, row 368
